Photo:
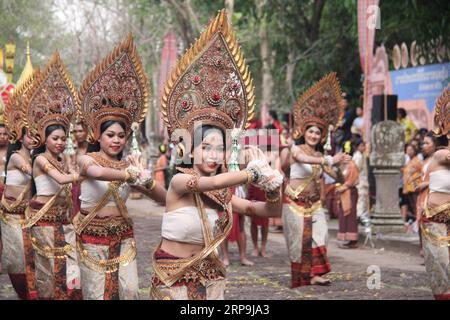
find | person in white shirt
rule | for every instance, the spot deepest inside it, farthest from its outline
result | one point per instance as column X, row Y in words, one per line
column 360, row 159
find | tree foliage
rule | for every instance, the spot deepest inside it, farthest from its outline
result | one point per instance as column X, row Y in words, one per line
column 288, row 44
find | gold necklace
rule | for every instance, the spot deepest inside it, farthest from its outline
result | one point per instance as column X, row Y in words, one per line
column 59, row 165
column 119, row 164
column 307, row 150
column 221, row 196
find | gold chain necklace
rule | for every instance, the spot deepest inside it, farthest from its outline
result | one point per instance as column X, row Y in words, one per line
column 59, row 165
column 220, row 196
column 307, row 150
column 119, row 165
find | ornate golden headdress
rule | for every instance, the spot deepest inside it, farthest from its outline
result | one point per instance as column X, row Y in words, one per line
column 115, row 90
column 210, row 84
column 50, row 100
column 321, row 105
column 15, row 109
column 442, row 113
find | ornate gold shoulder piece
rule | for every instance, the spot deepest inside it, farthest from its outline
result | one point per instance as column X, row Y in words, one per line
column 115, row 90
column 442, row 113
column 15, row 108
column 50, row 100
column 321, row 105
column 210, row 84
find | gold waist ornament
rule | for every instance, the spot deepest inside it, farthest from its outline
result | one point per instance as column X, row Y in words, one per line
column 106, row 265
column 49, row 252
column 306, row 212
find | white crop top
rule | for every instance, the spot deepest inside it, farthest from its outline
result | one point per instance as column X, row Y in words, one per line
column 17, row 178
column 92, row 192
column 184, row 225
column 440, row 181
column 46, row 186
column 301, row 170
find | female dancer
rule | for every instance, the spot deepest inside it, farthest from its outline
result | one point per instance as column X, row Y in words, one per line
column 304, row 220
column 435, row 223
column 206, row 95
column 18, row 252
column 49, row 105
column 431, row 143
column 105, row 242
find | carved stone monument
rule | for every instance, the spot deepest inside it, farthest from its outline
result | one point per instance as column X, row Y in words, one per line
column 387, row 157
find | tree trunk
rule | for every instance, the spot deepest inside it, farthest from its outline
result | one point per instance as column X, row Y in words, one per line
column 290, row 67
column 267, row 79
column 229, row 5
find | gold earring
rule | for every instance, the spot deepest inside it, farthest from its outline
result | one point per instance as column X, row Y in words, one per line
column 180, row 150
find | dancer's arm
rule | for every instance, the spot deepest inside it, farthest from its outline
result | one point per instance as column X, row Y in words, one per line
column 46, row 167
column 19, row 163
column 442, row 157
column 90, row 169
column 258, row 208
column 299, row 156
column 186, row 183
column 156, row 192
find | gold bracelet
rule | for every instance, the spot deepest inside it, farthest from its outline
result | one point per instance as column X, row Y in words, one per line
column 249, row 177
column 127, row 176
column 151, row 185
column 323, row 161
column 271, row 199
column 74, row 177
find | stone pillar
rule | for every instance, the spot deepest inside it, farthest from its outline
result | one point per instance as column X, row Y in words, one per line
column 387, row 157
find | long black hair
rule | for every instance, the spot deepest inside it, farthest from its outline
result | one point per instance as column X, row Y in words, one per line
column 42, row 149
column 13, row 147
column 301, row 140
column 95, row 147
column 199, row 134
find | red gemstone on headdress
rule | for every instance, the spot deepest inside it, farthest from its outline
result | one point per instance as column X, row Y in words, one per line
column 197, row 79
column 216, row 97
column 184, row 103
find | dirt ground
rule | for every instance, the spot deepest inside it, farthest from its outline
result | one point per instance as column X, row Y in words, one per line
column 399, row 274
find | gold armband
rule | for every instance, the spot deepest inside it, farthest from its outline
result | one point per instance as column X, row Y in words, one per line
column 47, row 167
column 86, row 164
column 192, row 184
column 26, row 169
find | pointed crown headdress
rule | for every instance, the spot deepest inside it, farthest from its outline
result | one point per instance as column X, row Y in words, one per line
column 51, row 100
column 15, row 109
column 210, row 84
column 321, row 105
column 116, row 89
column 442, row 113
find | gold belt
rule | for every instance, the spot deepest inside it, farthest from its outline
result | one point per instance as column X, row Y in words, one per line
column 206, row 269
column 18, row 210
column 440, row 213
column 440, row 241
column 7, row 220
column 300, row 197
column 49, row 252
column 111, row 226
column 54, row 214
column 307, row 212
column 106, row 265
